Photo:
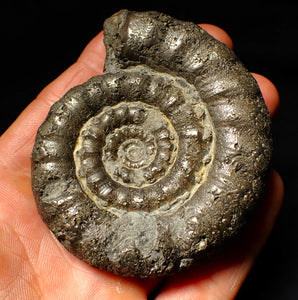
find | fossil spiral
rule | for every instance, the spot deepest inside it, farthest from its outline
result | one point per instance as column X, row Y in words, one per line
column 150, row 167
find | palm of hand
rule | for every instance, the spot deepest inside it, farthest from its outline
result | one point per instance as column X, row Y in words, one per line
column 33, row 265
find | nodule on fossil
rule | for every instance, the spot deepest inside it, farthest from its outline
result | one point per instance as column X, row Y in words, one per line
column 151, row 167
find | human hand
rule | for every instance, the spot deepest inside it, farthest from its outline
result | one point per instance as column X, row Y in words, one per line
column 34, row 265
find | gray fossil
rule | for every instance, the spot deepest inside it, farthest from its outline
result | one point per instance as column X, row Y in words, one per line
column 153, row 166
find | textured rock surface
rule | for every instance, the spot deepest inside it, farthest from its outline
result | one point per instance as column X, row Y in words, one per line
column 149, row 168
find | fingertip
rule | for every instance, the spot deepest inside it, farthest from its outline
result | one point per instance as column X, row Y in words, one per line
column 94, row 54
column 218, row 33
column 269, row 92
column 268, row 89
column 275, row 189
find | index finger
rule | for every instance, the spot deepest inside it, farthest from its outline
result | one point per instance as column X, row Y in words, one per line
column 268, row 89
column 17, row 142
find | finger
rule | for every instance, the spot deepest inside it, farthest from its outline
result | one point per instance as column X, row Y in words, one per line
column 218, row 33
column 222, row 277
column 269, row 92
column 94, row 54
column 89, row 63
column 16, row 143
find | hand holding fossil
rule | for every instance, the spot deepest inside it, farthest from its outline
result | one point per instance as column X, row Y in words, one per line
column 39, row 266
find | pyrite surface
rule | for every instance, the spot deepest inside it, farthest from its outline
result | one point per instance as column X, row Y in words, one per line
column 153, row 166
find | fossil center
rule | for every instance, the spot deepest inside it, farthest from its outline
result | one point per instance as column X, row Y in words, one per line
column 134, row 153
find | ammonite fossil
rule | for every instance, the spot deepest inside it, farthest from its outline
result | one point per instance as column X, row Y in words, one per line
column 154, row 165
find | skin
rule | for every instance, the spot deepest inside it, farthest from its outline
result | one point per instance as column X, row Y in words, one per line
column 33, row 265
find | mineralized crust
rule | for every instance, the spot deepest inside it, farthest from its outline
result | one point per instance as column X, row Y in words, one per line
column 152, row 166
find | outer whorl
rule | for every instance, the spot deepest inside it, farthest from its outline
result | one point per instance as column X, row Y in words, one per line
column 152, row 166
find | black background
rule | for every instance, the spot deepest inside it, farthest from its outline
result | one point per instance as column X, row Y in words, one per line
column 40, row 39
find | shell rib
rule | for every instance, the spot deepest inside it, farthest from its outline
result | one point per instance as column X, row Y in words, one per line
column 152, row 166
